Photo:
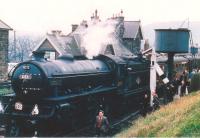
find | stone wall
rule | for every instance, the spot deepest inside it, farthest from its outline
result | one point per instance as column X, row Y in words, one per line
column 3, row 53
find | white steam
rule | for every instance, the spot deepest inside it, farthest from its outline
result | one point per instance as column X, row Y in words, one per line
column 97, row 36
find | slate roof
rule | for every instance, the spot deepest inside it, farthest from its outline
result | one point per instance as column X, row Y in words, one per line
column 64, row 44
column 70, row 44
column 119, row 49
column 4, row 26
column 131, row 29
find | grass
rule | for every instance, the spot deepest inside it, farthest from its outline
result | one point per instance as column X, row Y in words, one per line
column 179, row 118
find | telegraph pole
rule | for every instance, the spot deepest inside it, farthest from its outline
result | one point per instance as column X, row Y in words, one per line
column 15, row 54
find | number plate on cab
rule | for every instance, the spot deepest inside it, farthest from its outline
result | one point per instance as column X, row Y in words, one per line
column 18, row 106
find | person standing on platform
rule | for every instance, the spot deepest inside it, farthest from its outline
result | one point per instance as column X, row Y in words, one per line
column 175, row 83
column 184, row 82
column 102, row 124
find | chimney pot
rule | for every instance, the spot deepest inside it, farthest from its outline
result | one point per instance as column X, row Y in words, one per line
column 74, row 27
column 96, row 13
column 56, row 32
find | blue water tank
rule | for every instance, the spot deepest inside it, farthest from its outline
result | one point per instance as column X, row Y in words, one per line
column 172, row 40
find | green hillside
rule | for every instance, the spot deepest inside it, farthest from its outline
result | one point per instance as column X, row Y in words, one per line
column 179, row 118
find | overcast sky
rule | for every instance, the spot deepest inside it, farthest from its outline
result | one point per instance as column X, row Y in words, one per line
column 45, row 15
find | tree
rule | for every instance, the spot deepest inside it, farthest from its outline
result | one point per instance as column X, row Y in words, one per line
column 20, row 49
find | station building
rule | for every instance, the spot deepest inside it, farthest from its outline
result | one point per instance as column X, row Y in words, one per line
column 4, row 42
column 55, row 43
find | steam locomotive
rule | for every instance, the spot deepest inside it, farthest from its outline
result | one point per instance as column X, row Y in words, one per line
column 61, row 94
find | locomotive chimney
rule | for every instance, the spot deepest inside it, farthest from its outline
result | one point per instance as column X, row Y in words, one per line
column 74, row 27
column 120, row 17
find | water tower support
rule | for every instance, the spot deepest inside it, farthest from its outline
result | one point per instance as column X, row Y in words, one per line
column 170, row 63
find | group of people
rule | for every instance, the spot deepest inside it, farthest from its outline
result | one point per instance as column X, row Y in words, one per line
column 179, row 86
column 182, row 83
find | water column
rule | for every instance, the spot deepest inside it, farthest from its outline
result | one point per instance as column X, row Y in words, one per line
column 171, row 41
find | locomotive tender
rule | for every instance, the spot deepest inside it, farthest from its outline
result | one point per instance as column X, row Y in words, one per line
column 60, row 94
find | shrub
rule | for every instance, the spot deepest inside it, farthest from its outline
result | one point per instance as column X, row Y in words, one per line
column 195, row 82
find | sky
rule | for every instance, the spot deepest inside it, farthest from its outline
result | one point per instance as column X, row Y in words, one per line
column 41, row 16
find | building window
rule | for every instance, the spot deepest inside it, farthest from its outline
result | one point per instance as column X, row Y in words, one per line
column 50, row 55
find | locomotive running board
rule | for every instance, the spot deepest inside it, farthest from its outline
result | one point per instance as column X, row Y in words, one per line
column 107, row 90
column 135, row 91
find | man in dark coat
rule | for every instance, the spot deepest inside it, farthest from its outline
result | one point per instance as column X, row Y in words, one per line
column 184, row 82
column 145, row 104
column 175, row 83
column 156, row 102
column 102, row 124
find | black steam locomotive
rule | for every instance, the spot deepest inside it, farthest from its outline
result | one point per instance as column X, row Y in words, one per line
column 61, row 94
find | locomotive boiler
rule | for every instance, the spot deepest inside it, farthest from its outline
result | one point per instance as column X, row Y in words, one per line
column 64, row 93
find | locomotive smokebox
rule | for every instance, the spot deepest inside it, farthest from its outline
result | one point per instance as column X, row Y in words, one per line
column 172, row 41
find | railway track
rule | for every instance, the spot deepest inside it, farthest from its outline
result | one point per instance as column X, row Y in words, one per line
column 88, row 131
column 115, row 126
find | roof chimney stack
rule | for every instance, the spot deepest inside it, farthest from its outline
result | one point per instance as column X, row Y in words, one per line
column 121, row 12
column 96, row 14
column 56, row 32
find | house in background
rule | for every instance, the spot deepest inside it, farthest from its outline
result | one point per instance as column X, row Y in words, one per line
column 132, row 35
column 4, row 42
column 55, row 44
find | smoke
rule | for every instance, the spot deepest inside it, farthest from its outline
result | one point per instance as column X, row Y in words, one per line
column 96, row 36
